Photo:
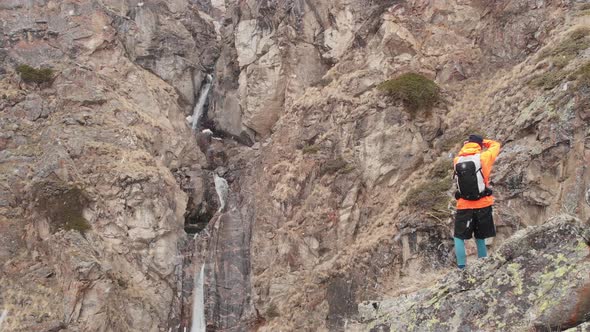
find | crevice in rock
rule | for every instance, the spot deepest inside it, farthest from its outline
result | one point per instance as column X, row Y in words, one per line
column 199, row 213
column 197, row 219
column 242, row 139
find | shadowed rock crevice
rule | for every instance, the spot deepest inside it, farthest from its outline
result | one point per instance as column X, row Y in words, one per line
column 341, row 297
column 197, row 219
column 202, row 202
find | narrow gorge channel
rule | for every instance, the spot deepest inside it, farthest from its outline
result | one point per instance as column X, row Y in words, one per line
column 216, row 278
column 219, row 271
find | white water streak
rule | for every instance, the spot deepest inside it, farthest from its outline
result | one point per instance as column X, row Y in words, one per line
column 200, row 106
column 222, row 189
column 199, row 302
column 3, row 317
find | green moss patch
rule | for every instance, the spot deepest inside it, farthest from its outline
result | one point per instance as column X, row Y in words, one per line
column 62, row 205
column 432, row 196
column 349, row 168
column 415, row 91
column 561, row 61
column 34, row 75
column 322, row 82
column 583, row 13
column 442, row 169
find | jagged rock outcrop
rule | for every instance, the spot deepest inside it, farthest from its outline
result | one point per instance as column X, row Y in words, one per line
column 331, row 182
column 170, row 39
column 273, row 50
column 580, row 328
column 90, row 212
column 321, row 166
column 538, row 280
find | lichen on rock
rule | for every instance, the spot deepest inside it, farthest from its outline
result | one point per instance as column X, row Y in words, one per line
column 536, row 280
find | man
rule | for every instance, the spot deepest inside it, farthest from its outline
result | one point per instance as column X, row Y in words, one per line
column 474, row 197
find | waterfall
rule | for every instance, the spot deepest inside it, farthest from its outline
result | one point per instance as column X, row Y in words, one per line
column 198, row 324
column 222, row 189
column 200, row 105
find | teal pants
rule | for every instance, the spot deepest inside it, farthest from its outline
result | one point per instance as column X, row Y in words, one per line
column 482, row 251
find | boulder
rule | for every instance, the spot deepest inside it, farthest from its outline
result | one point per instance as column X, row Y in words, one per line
column 537, row 280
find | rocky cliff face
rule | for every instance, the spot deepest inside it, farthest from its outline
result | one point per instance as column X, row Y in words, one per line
column 330, row 181
column 91, row 213
column 539, row 279
column 333, row 226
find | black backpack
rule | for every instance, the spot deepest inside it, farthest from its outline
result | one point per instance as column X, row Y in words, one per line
column 469, row 177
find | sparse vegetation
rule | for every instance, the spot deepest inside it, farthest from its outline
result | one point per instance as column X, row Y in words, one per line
column 561, row 55
column 333, row 166
column 573, row 44
column 272, row 312
column 322, row 82
column 415, row 91
column 585, row 6
column 62, row 205
column 548, row 80
column 582, row 76
column 452, row 142
column 579, row 33
column 561, row 61
column 310, row 149
column 431, row 197
column 33, row 75
column 442, row 168
column 349, row 168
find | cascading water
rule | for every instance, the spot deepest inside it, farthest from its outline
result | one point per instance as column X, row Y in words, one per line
column 198, row 324
column 225, row 304
column 200, row 106
column 198, row 312
column 221, row 298
column 222, row 189
column 3, row 317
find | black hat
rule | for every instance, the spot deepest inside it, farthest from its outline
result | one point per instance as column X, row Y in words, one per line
column 475, row 139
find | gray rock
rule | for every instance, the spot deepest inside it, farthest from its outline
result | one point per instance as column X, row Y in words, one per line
column 537, row 279
column 177, row 46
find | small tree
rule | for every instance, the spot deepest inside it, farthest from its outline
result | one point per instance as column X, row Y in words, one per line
column 415, row 91
column 62, row 205
column 33, row 75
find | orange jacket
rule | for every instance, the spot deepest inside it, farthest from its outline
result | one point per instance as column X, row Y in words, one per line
column 488, row 157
